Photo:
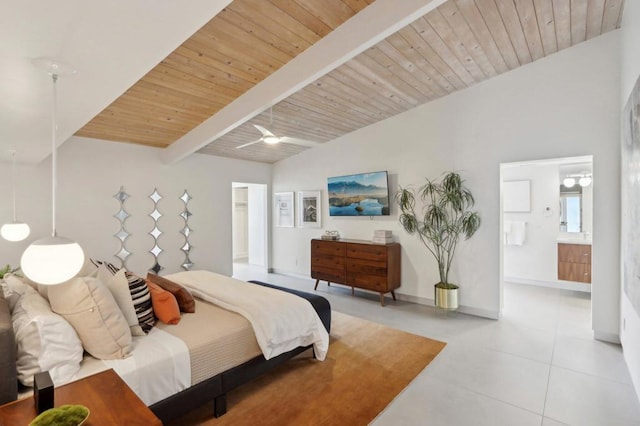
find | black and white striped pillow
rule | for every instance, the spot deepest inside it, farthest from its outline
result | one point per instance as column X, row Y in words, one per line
column 110, row 266
column 141, row 301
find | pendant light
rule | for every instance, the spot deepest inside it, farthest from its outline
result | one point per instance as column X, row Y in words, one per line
column 14, row 231
column 53, row 260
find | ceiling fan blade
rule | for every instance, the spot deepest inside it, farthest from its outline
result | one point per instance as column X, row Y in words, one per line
column 301, row 142
column 250, row 143
column 263, row 130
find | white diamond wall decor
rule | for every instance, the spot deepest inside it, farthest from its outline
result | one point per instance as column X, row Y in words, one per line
column 186, row 231
column 155, row 232
column 122, row 234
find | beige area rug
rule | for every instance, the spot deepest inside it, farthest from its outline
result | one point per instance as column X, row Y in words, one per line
column 368, row 364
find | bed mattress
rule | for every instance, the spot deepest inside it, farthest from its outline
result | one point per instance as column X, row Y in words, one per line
column 217, row 340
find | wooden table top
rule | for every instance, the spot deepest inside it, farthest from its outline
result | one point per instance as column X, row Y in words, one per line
column 109, row 399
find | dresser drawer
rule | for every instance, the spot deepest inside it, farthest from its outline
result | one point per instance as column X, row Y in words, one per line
column 574, row 253
column 371, row 252
column 328, row 274
column 327, row 261
column 365, row 266
column 368, row 282
column 335, row 248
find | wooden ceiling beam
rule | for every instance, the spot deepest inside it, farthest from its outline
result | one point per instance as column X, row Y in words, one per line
column 373, row 24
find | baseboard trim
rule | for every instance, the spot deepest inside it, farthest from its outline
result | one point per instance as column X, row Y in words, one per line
column 478, row 312
column 564, row 285
column 470, row 310
column 606, row 336
column 289, row 273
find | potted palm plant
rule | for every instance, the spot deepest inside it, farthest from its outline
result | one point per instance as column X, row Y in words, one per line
column 445, row 216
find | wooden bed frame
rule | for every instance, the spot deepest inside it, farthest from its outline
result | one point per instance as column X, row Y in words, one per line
column 212, row 390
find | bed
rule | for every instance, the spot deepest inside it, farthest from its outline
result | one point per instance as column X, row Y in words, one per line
column 220, row 357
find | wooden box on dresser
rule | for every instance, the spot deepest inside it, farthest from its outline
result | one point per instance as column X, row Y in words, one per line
column 358, row 264
column 574, row 262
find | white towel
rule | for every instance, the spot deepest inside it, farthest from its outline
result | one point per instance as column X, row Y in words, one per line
column 516, row 234
column 507, row 231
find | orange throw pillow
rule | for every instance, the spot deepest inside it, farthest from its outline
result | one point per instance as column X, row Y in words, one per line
column 165, row 305
column 185, row 300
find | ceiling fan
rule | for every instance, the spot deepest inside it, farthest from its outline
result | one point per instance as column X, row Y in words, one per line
column 270, row 138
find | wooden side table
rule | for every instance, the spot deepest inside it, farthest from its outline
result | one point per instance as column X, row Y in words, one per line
column 109, row 399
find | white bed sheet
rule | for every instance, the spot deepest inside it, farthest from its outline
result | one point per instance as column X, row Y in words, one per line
column 158, row 367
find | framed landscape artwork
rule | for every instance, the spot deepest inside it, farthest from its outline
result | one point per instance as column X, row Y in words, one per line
column 309, row 209
column 362, row 194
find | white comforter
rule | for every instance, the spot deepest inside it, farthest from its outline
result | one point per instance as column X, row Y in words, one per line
column 280, row 320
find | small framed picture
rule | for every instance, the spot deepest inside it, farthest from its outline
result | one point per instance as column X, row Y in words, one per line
column 309, row 209
column 283, row 209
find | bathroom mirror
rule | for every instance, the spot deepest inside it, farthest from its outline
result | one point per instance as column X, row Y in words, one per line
column 570, row 209
column 575, row 197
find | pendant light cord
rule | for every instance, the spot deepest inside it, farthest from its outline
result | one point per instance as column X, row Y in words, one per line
column 54, row 156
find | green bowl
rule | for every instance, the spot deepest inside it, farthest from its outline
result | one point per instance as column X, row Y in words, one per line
column 65, row 415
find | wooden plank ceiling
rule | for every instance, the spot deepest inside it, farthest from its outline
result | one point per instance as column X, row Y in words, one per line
column 457, row 45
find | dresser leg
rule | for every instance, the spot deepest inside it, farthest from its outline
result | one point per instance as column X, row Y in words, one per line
column 381, row 299
column 316, row 287
column 393, row 294
column 328, row 283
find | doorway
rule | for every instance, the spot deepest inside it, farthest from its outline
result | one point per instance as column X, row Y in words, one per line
column 249, row 226
column 546, row 224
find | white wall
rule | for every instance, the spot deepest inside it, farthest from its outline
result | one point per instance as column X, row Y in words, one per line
column 91, row 172
column 563, row 106
column 630, row 320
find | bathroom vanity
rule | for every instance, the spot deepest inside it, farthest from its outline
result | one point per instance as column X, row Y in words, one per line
column 574, row 261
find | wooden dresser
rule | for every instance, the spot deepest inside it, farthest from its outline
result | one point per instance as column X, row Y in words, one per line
column 574, row 262
column 358, row 264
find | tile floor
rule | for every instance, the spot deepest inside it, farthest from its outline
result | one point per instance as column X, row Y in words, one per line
column 539, row 365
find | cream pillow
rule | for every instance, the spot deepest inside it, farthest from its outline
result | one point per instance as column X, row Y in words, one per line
column 45, row 341
column 119, row 287
column 90, row 308
column 14, row 288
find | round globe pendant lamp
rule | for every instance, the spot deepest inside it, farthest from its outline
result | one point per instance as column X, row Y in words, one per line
column 16, row 230
column 53, row 260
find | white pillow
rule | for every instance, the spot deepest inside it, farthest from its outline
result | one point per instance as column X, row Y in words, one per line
column 90, row 308
column 14, row 288
column 119, row 287
column 45, row 341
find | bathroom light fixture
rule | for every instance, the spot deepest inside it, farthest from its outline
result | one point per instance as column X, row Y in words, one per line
column 53, row 260
column 569, row 182
column 14, row 231
column 585, row 181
